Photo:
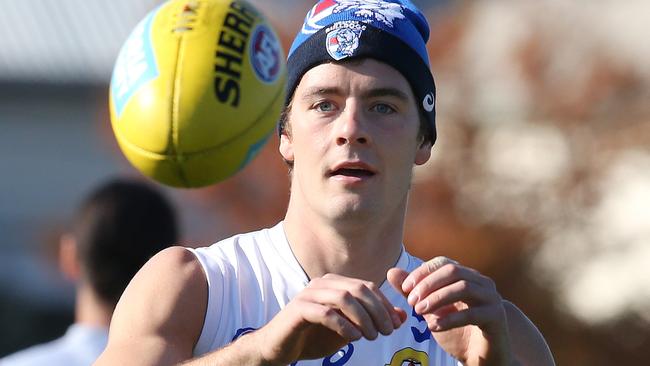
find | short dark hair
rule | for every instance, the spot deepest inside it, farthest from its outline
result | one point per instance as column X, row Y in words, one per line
column 118, row 228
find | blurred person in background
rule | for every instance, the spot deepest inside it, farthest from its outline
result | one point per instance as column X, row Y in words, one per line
column 332, row 284
column 118, row 227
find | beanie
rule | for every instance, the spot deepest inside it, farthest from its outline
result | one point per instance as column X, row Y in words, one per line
column 394, row 32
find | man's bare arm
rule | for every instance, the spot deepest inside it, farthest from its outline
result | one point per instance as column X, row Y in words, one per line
column 528, row 344
column 160, row 315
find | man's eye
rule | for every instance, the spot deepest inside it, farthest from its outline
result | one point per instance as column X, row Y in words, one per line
column 383, row 108
column 324, row 106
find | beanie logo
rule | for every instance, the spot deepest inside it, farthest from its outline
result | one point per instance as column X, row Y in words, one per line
column 343, row 39
column 381, row 11
column 428, row 102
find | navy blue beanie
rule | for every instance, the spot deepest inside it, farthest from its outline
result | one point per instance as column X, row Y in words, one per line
column 391, row 31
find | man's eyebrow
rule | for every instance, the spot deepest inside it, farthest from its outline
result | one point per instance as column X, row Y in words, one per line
column 320, row 91
column 372, row 93
column 386, row 92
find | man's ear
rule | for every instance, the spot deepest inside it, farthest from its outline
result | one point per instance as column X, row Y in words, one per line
column 286, row 147
column 423, row 153
column 68, row 257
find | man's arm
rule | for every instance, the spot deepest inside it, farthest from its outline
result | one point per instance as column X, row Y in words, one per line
column 160, row 316
column 528, row 344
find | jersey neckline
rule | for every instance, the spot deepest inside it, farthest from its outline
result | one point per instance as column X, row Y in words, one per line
column 280, row 242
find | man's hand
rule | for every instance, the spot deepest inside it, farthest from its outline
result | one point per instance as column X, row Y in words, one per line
column 328, row 314
column 462, row 308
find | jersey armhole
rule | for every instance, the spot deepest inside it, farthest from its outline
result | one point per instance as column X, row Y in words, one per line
column 214, row 311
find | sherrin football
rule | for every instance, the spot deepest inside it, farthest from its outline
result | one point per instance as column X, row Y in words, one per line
column 196, row 90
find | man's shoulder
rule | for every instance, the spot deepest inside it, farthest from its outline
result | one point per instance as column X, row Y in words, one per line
column 255, row 237
column 252, row 252
column 247, row 243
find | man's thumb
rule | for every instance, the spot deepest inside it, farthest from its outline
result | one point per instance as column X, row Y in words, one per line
column 396, row 277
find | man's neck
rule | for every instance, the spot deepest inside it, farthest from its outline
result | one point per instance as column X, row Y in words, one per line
column 89, row 310
column 364, row 250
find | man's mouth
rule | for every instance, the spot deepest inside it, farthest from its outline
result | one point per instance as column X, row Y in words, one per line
column 352, row 172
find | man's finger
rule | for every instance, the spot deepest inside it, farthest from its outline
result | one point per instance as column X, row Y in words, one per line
column 480, row 316
column 401, row 314
column 369, row 296
column 349, row 306
column 396, row 277
column 331, row 319
column 424, row 270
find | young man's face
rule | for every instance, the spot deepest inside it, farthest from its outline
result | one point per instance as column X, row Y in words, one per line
column 353, row 139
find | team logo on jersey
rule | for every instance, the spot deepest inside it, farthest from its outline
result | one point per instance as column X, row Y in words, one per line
column 368, row 10
column 343, row 39
column 265, row 54
column 409, row 357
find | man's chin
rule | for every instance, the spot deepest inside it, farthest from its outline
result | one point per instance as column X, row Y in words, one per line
column 352, row 211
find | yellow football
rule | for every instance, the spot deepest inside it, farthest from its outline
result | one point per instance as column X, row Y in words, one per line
column 196, row 90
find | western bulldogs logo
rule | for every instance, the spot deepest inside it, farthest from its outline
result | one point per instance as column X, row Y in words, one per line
column 265, row 54
column 369, row 10
column 343, row 39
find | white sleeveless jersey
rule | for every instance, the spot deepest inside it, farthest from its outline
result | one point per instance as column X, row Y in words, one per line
column 252, row 276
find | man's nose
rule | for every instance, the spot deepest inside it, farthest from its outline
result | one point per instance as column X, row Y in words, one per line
column 352, row 126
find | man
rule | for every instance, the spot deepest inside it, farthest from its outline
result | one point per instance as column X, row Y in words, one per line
column 118, row 228
column 332, row 283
